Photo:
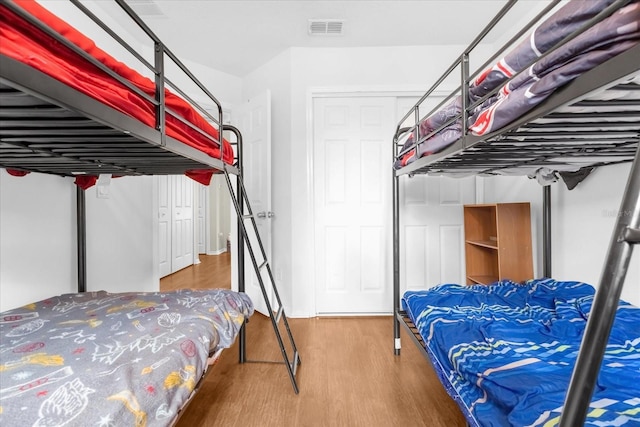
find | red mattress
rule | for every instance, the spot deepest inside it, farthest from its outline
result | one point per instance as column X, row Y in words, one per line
column 26, row 43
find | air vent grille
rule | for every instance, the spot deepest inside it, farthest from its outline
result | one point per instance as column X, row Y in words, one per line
column 326, row 27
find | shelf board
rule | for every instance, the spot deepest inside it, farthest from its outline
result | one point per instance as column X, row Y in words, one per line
column 491, row 244
column 482, row 280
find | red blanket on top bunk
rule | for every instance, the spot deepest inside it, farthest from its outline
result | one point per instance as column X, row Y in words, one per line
column 26, row 43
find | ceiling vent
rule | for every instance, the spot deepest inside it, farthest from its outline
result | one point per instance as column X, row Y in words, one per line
column 325, row 27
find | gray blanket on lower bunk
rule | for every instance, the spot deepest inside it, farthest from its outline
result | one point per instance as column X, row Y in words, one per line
column 96, row 358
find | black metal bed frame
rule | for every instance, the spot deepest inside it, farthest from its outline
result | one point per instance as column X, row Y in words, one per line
column 529, row 141
column 49, row 127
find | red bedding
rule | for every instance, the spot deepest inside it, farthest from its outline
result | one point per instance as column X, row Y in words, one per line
column 26, row 43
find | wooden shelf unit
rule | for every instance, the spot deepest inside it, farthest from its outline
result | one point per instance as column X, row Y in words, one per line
column 498, row 242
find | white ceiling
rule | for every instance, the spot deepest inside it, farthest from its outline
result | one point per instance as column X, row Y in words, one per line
column 237, row 36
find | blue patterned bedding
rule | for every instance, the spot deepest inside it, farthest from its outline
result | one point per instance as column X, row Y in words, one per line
column 506, row 352
column 101, row 359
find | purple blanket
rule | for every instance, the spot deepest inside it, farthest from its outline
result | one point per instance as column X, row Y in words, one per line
column 599, row 43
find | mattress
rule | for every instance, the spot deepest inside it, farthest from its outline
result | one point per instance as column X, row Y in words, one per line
column 515, row 84
column 26, row 43
column 101, row 358
column 506, row 352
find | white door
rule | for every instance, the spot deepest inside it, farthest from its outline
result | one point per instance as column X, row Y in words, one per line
column 182, row 227
column 254, row 122
column 202, row 216
column 352, row 199
column 176, row 224
column 431, row 224
column 164, row 229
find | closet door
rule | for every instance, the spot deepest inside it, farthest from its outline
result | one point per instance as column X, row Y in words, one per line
column 182, row 225
column 352, row 214
column 164, row 224
column 176, row 224
column 202, row 223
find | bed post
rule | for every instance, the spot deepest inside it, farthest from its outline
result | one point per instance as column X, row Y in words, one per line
column 625, row 234
column 546, row 231
column 242, row 351
column 396, row 253
column 81, row 231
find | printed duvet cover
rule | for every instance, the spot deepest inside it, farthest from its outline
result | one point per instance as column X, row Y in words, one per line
column 505, row 352
column 601, row 42
column 101, row 359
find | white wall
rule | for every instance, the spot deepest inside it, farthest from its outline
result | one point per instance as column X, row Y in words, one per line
column 37, row 235
column 582, row 222
column 122, row 248
column 220, row 212
column 38, row 255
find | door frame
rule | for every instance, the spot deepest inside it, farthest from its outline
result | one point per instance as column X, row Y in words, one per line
column 335, row 92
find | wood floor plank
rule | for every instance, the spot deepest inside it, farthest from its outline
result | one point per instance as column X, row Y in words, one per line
column 349, row 375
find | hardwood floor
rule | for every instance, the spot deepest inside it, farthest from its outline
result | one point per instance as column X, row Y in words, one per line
column 214, row 271
column 349, row 375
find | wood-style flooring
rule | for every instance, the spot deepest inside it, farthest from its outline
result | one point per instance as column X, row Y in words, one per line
column 349, row 375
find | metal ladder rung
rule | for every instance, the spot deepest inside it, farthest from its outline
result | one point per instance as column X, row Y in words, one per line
column 295, row 363
column 237, row 200
column 279, row 314
column 631, row 235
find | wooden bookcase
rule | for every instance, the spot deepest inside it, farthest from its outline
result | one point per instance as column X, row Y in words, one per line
column 498, row 242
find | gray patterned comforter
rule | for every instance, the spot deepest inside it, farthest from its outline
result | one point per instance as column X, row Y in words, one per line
column 102, row 359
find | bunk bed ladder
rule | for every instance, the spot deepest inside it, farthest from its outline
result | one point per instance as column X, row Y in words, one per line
column 276, row 312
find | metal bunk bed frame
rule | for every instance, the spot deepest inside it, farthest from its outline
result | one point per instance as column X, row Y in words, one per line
column 49, row 127
column 490, row 153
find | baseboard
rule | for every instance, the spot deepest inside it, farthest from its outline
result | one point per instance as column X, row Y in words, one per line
column 218, row 252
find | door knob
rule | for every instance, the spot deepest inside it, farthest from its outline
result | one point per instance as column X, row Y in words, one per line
column 264, row 214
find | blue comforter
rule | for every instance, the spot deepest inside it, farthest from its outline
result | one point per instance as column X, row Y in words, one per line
column 506, row 352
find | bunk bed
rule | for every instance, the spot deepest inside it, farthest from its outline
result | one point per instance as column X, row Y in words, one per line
column 578, row 66
column 68, row 108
